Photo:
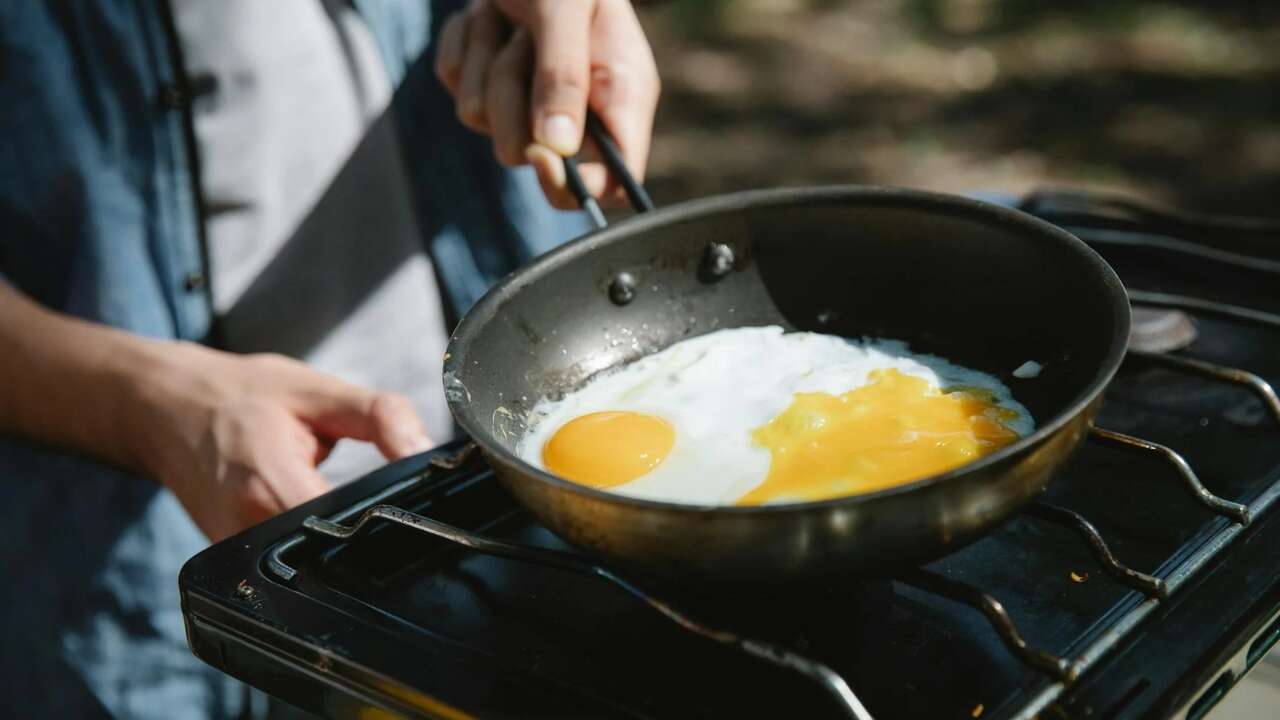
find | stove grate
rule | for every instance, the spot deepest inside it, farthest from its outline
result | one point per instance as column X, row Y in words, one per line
column 1148, row 585
column 1232, row 510
column 780, row 656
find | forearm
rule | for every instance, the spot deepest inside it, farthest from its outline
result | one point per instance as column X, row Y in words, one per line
column 70, row 382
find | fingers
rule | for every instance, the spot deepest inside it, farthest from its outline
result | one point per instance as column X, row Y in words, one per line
column 299, row 482
column 260, row 465
column 451, row 48
column 251, row 443
column 550, row 170
column 507, row 99
column 624, row 85
column 291, row 478
column 396, row 428
column 333, row 409
column 384, row 419
column 484, row 39
column 323, row 448
column 273, row 488
column 563, row 56
column 561, row 73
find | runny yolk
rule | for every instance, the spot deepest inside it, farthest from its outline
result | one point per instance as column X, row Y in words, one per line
column 604, row 449
column 893, row 430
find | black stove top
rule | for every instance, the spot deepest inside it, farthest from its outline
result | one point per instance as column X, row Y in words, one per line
column 1143, row 584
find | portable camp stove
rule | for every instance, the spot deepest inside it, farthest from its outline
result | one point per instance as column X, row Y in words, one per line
column 1144, row 583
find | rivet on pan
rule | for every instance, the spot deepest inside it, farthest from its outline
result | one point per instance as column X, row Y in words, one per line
column 622, row 289
column 718, row 261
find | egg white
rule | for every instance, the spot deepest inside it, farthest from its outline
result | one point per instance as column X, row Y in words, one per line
column 717, row 388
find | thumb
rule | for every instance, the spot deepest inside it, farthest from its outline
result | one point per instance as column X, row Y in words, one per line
column 562, row 73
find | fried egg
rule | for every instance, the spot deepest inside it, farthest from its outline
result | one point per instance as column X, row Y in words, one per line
column 755, row 415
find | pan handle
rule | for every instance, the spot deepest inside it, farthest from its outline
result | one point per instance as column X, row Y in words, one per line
column 613, row 160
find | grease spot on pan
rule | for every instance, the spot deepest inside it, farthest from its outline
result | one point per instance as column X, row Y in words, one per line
column 507, row 426
column 455, row 391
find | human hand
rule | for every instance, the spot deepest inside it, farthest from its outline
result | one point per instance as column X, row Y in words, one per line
column 525, row 71
column 237, row 438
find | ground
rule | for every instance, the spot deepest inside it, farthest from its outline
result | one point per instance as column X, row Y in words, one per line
column 1176, row 102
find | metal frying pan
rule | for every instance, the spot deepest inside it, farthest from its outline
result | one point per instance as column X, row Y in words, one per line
column 981, row 285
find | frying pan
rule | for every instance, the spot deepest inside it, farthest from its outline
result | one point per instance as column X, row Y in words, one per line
column 981, row 285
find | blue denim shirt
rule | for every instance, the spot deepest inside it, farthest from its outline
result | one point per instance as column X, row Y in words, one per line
column 100, row 218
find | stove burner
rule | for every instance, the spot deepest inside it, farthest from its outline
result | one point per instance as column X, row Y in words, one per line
column 1159, row 331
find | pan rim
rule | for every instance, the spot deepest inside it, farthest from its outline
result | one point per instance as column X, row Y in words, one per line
column 486, row 308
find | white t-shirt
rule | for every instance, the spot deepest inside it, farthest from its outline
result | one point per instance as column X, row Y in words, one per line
column 313, row 246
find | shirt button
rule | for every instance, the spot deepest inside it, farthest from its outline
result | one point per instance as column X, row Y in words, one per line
column 201, row 85
column 170, row 97
column 193, row 281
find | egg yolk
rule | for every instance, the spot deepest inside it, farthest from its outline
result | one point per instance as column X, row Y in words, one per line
column 893, row 430
column 605, row 449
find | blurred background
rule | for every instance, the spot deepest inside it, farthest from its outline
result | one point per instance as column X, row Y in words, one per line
column 1176, row 102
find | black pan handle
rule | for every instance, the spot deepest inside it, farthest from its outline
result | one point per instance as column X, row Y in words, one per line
column 613, row 160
